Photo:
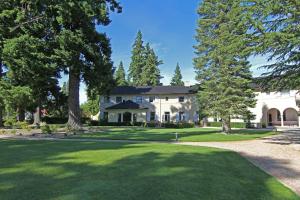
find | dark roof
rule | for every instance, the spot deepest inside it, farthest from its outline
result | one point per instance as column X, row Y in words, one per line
column 126, row 105
column 153, row 90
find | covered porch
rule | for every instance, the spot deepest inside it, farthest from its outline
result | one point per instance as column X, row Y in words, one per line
column 127, row 111
column 285, row 118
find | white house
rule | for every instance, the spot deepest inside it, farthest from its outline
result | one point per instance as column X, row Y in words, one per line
column 179, row 103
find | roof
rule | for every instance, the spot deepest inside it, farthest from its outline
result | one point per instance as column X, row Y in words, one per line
column 126, row 105
column 123, row 90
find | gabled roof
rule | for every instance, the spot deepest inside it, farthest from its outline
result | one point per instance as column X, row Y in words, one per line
column 123, row 90
column 126, row 105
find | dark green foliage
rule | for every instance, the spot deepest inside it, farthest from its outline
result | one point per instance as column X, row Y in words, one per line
column 221, row 63
column 143, row 69
column 177, row 78
column 120, row 76
column 90, row 107
column 150, row 72
column 232, row 124
column 275, row 25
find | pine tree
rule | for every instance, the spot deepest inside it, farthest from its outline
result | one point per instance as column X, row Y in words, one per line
column 177, row 78
column 120, row 76
column 276, row 27
column 221, row 63
column 150, row 72
column 137, row 60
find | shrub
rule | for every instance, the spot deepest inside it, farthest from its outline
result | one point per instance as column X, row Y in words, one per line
column 22, row 125
column 3, row 131
column 55, row 120
column 53, row 128
column 46, row 129
column 13, row 131
column 10, row 121
column 233, row 124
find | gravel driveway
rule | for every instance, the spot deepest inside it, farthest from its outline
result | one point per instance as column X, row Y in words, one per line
column 278, row 155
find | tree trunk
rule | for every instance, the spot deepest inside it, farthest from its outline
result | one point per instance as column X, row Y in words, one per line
column 204, row 122
column 37, row 116
column 74, row 120
column 226, row 126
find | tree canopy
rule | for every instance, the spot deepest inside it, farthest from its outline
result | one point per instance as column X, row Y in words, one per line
column 177, row 77
column 120, row 76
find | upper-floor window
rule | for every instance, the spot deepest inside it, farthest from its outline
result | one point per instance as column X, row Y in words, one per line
column 181, row 99
column 151, row 99
column 107, row 99
column 118, row 99
column 167, row 98
column 139, row 99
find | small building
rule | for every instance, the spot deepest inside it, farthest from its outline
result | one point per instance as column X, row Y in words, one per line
column 150, row 104
column 179, row 104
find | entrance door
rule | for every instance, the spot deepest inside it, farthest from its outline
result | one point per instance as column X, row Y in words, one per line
column 127, row 117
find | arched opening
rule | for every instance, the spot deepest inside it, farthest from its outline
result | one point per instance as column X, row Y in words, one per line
column 127, row 117
column 274, row 117
column 290, row 117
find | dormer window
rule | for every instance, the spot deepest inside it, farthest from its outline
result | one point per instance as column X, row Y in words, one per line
column 181, row 99
column 167, row 98
column 118, row 99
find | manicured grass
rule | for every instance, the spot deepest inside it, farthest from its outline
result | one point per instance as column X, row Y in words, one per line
column 123, row 171
column 187, row 134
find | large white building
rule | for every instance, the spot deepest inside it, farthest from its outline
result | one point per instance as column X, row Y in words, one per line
column 179, row 103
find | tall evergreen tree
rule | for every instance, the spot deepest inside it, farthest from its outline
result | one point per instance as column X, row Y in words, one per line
column 150, row 75
column 120, row 76
column 137, row 60
column 222, row 68
column 177, row 78
column 276, row 27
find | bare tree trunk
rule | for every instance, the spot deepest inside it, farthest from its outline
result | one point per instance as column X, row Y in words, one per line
column 226, row 126
column 74, row 120
column 37, row 116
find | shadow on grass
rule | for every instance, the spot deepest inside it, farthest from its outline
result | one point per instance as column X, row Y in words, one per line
column 93, row 170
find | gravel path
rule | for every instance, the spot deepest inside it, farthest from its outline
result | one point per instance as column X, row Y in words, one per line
column 279, row 159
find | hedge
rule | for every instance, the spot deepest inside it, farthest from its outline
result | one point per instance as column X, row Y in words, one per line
column 233, row 124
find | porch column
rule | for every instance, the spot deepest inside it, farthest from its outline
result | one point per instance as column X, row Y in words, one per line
column 132, row 117
column 122, row 114
column 282, row 124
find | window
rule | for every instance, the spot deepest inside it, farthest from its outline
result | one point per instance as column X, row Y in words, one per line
column 285, row 92
column 181, row 116
column 284, row 115
column 105, row 116
column 120, row 117
column 118, row 99
column 167, row 98
column 139, row 99
column 167, row 117
column 134, row 117
column 181, row 99
column 267, row 93
column 107, row 99
column 152, row 116
column 151, row 99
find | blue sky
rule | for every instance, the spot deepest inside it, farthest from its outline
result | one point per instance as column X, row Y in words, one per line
column 168, row 25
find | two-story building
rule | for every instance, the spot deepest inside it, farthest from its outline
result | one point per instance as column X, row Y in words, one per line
column 179, row 103
column 149, row 104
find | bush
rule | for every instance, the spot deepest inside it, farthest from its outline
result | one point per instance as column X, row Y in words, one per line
column 46, row 129
column 233, row 124
column 22, row 125
column 10, row 121
column 53, row 128
column 178, row 125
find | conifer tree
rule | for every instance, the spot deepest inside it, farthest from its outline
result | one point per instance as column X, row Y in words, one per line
column 177, row 78
column 150, row 72
column 221, row 63
column 120, row 76
column 137, row 60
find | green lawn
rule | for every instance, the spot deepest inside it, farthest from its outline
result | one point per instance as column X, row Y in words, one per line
column 187, row 134
column 95, row 170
